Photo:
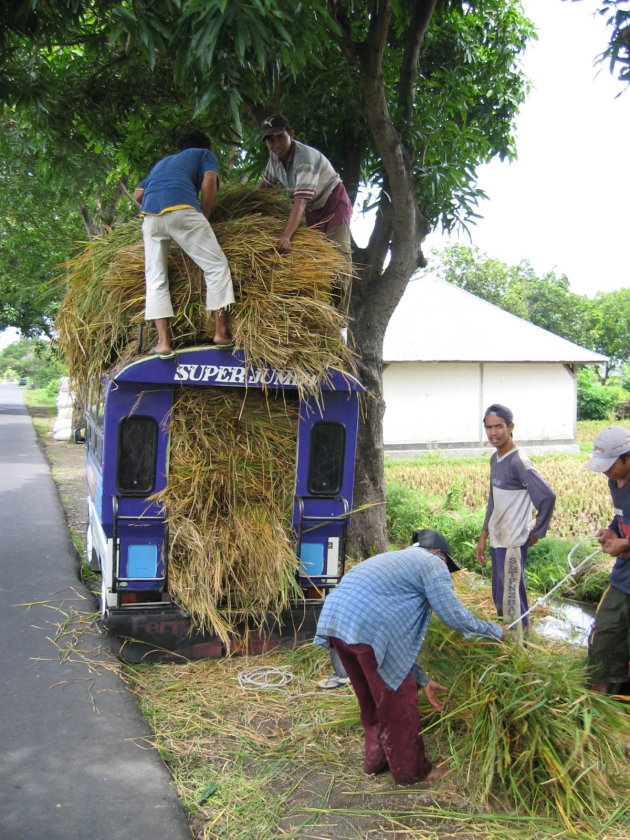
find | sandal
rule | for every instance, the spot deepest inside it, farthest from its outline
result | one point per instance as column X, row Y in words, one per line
column 333, row 681
column 165, row 356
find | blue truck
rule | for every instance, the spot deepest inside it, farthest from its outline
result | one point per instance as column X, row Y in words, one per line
column 127, row 435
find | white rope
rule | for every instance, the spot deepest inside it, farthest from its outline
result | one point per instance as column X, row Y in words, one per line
column 265, row 677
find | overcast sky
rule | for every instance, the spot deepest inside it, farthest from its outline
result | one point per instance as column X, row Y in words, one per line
column 565, row 204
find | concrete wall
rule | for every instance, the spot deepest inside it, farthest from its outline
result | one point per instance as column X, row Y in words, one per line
column 439, row 405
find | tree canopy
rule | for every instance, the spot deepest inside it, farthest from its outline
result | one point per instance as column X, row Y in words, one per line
column 617, row 15
column 408, row 97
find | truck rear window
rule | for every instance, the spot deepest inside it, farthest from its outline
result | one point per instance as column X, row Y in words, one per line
column 328, row 443
column 137, row 449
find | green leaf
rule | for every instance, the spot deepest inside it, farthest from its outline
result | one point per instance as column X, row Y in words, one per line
column 207, row 792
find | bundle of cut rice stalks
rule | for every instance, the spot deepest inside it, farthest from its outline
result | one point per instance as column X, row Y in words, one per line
column 229, row 500
column 230, row 487
column 524, row 731
column 283, row 316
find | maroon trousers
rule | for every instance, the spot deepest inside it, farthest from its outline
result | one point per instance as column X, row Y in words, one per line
column 390, row 719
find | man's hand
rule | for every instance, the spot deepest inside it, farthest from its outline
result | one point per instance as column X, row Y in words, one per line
column 295, row 217
column 284, row 244
column 611, row 543
column 532, row 540
column 430, row 692
column 481, row 548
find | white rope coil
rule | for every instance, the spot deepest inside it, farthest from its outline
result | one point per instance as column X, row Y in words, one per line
column 265, row 677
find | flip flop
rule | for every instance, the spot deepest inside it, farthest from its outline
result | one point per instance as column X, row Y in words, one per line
column 333, row 681
column 225, row 346
column 165, row 356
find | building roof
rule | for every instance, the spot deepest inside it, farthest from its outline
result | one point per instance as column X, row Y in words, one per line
column 438, row 322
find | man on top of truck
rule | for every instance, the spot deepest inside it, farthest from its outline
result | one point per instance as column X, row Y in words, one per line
column 317, row 189
column 169, row 199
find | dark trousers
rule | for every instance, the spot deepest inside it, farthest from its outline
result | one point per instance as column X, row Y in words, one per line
column 609, row 642
column 499, row 583
column 390, row 719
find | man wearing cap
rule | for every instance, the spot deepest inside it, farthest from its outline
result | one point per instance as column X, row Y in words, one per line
column 318, row 192
column 515, row 487
column 376, row 620
column 609, row 642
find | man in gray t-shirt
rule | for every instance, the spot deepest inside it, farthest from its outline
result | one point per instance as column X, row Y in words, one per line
column 515, row 488
column 317, row 190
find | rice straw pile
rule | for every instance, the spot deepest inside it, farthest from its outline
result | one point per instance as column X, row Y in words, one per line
column 283, row 315
column 231, row 473
column 229, row 501
column 525, row 732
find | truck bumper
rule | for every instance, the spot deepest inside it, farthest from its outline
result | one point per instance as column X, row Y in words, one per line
column 166, row 634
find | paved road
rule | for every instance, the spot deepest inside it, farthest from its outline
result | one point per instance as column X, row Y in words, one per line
column 74, row 762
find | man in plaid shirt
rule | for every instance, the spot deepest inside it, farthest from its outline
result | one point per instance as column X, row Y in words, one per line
column 376, row 620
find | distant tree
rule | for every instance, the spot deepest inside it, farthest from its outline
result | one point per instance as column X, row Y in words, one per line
column 608, row 328
column 545, row 301
column 32, row 358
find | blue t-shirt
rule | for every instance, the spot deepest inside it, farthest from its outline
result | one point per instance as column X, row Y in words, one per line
column 620, row 575
column 175, row 181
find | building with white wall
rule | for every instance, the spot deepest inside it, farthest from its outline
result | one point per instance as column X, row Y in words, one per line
column 449, row 354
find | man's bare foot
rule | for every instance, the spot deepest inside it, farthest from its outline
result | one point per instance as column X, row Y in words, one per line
column 436, row 772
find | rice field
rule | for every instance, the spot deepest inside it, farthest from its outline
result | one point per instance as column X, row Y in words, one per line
column 582, row 506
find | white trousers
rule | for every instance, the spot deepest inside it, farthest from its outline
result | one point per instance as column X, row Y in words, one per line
column 192, row 232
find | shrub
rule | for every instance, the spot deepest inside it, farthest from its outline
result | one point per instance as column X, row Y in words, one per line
column 596, row 401
column 406, row 510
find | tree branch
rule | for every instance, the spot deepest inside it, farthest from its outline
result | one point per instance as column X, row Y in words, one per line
column 421, row 14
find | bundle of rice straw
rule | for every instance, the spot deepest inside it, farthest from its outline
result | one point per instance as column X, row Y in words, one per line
column 283, row 315
column 229, row 495
column 229, row 500
column 524, row 731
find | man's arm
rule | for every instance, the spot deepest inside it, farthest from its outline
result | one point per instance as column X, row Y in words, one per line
column 480, row 552
column 293, row 222
column 209, row 187
column 544, row 500
column 137, row 195
column 438, row 588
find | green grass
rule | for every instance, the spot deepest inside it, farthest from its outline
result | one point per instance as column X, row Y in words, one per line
column 40, row 398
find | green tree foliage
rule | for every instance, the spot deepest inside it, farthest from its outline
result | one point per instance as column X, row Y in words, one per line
column 32, row 358
column 36, row 234
column 608, row 327
column 597, row 401
column 617, row 14
column 405, row 96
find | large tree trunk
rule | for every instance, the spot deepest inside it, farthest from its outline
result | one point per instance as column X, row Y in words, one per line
column 399, row 230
